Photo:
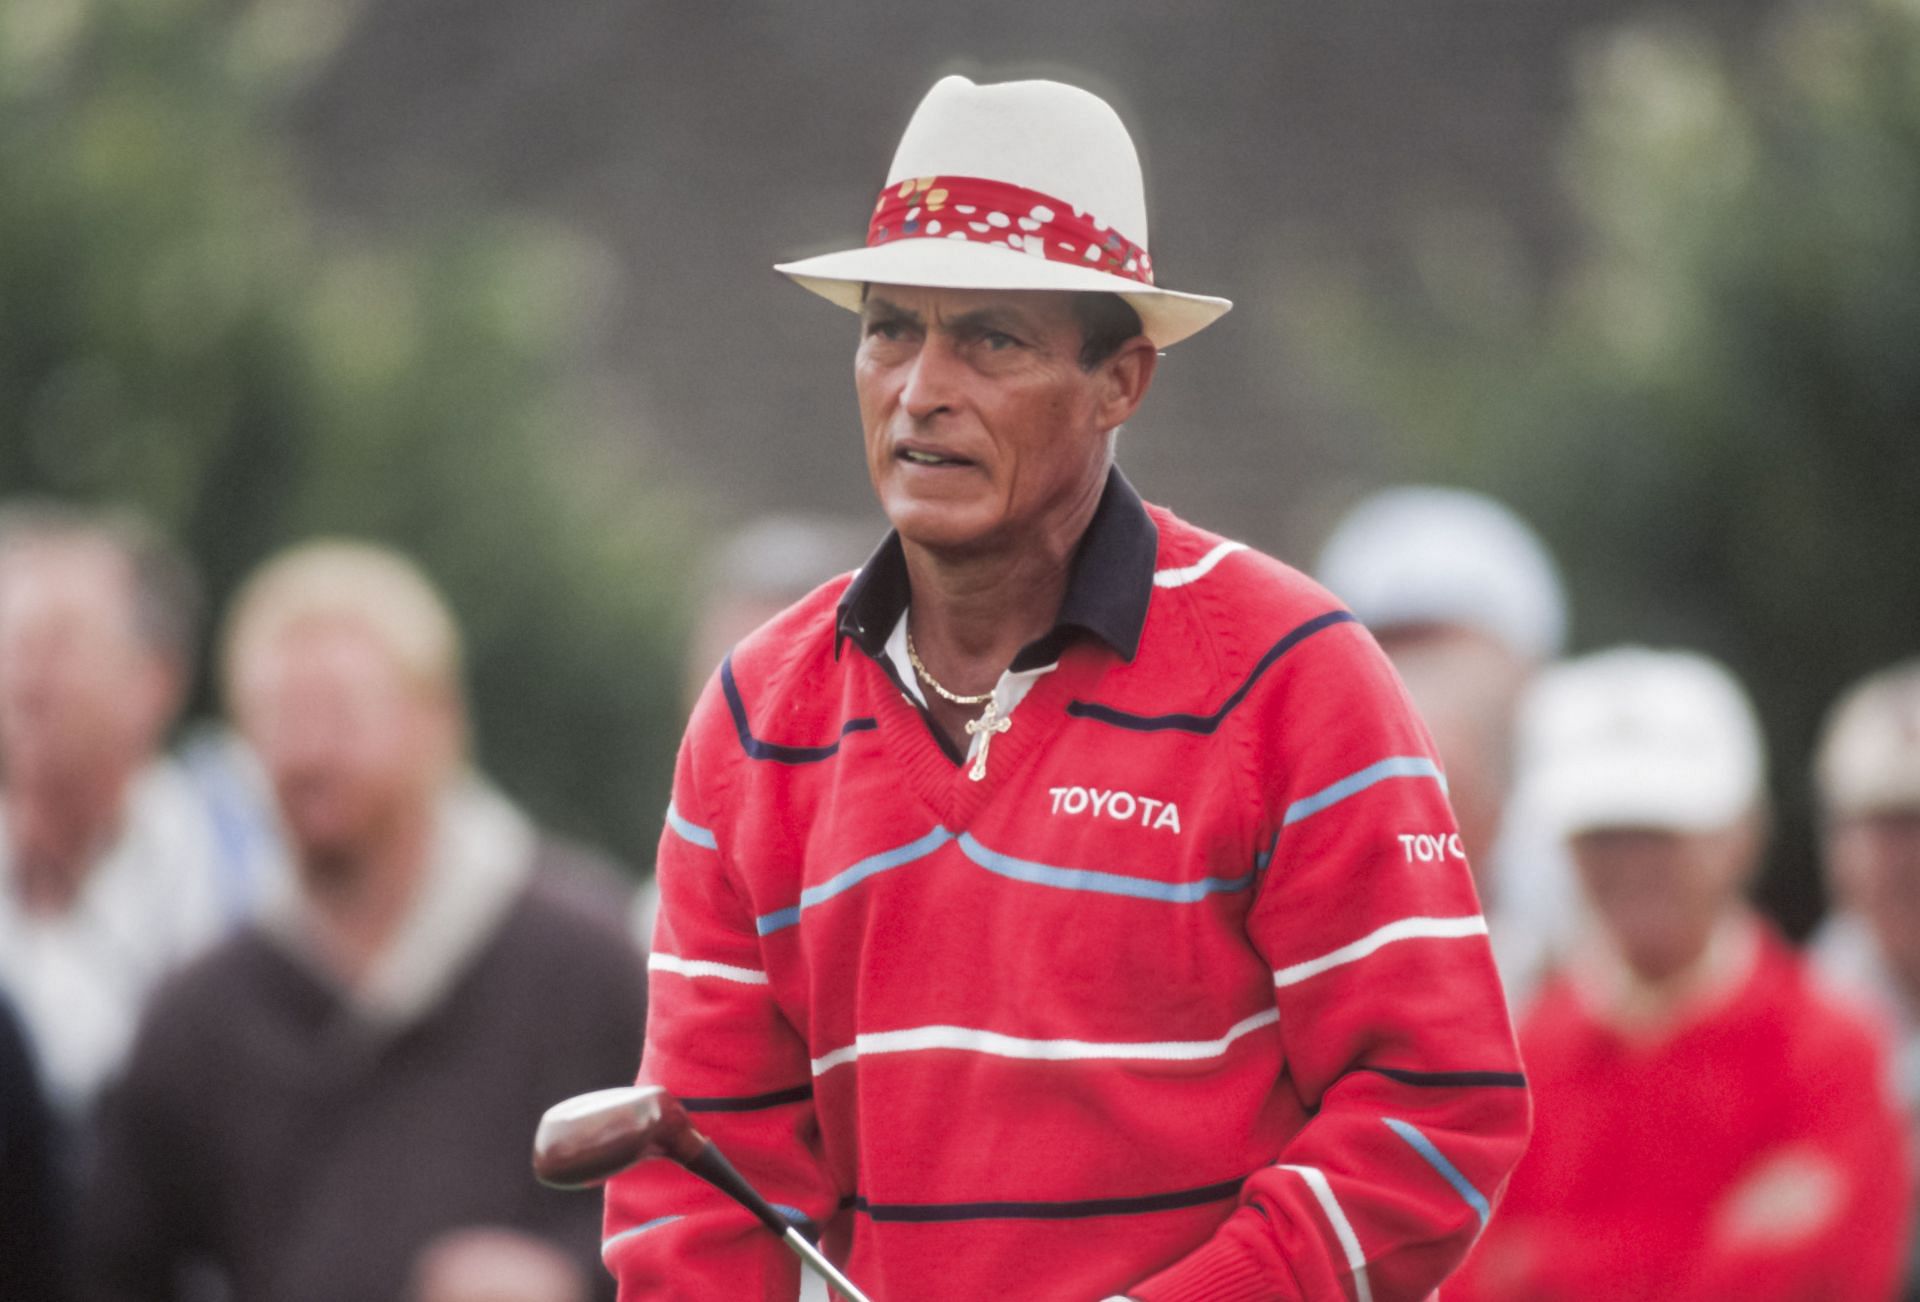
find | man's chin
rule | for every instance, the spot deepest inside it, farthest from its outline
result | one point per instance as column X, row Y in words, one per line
column 327, row 852
column 941, row 526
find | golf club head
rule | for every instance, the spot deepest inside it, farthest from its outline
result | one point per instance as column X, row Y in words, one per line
column 588, row 1139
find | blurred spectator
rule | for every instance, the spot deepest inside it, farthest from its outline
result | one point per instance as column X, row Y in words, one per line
column 112, row 871
column 1868, row 773
column 338, row 1101
column 30, row 1220
column 1467, row 603
column 1707, row 1124
column 758, row 572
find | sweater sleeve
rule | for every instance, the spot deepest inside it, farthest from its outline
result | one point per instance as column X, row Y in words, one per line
column 1394, row 1026
column 718, row 1038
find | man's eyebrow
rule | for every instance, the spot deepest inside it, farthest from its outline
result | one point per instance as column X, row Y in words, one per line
column 992, row 317
column 887, row 310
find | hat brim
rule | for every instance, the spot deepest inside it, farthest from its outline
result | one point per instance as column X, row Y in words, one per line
column 1166, row 316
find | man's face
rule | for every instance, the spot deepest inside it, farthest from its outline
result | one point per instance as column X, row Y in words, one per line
column 354, row 748
column 1659, row 893
column 983, row 432
column 1878, row 857
column 80, row 690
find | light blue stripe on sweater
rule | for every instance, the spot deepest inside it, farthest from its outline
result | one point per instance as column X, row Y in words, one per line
column 637, row 1230
column 1438, row 1161
column 768, row 923
column 692, row 833
column 1398, row 766
column 1088, row 879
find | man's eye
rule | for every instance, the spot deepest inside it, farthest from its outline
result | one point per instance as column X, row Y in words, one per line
column 886, row 330
column 999, row 339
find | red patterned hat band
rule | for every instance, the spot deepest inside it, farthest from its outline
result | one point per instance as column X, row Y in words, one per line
column 994, row 212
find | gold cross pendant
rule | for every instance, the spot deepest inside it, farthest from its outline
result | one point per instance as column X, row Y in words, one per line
column 984, row 727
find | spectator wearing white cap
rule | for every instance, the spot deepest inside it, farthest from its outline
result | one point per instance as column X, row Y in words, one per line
column 1868, row 780
column 1466, row 601
column 1709, row 1125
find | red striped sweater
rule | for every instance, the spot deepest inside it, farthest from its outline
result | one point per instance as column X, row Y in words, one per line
column 1189, row 998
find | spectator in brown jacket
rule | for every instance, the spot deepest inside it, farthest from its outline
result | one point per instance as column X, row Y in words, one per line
column 337, row 1103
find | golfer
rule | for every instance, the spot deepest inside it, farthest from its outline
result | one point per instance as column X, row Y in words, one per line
column 1067, row 905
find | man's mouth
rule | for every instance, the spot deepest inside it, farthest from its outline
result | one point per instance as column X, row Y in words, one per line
column 920, row 457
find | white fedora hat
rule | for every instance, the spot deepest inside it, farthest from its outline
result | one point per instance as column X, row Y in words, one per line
column 1020, row 185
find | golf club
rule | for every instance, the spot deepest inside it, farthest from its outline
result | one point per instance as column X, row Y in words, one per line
column 588, row 1139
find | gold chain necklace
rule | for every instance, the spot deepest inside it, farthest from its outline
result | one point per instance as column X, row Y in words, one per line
column 988, row 726
column 927, row 678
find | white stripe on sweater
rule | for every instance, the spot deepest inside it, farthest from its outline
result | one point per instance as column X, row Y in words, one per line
column 968, row 1039
column 700, row 967
column 1405, row 929
column 1342, row 1228
column 1179, row 578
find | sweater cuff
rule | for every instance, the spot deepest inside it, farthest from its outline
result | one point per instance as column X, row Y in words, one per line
column 1223, row 1269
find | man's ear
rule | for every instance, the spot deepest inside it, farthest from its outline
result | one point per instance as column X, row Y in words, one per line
column 1126, row 376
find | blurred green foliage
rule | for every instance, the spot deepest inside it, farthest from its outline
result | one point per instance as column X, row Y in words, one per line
column 1712, row 406
column 182, row 330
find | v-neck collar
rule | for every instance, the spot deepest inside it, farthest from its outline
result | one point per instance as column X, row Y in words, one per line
column 928, row 765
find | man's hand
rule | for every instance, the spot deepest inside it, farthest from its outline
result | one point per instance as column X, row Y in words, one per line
column 485, row 1264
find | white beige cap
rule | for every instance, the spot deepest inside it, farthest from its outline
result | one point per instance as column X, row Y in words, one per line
column 1641, row 738
column 1422, row 555
column 1869, row 759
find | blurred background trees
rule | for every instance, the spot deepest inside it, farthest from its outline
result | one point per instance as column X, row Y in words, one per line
column 488, row 279
column 1712, row 405
column 180, row 328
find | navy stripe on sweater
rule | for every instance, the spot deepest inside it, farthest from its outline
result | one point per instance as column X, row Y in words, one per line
column 1443, row 1079
column 767, row 750
column 1206, row 723
column 927, row 1213
column 749, row 1102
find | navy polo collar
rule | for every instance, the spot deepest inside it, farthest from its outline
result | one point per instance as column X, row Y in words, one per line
column 1107, row 590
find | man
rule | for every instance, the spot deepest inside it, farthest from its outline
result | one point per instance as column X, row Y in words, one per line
column 1465, row 600
column 110, row 870
column 336, row 1102
column 1868, row 775
column 1037, row 913
column 1710, row 1126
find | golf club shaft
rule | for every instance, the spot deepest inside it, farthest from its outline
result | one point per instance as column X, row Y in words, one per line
column 817, row 1259
column 711, row 1165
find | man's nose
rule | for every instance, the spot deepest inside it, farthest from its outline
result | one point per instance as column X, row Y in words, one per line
column 930, row 379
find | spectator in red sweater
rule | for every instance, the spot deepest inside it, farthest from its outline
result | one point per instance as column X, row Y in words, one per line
column 1710, row 1126
column 1068, row 905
